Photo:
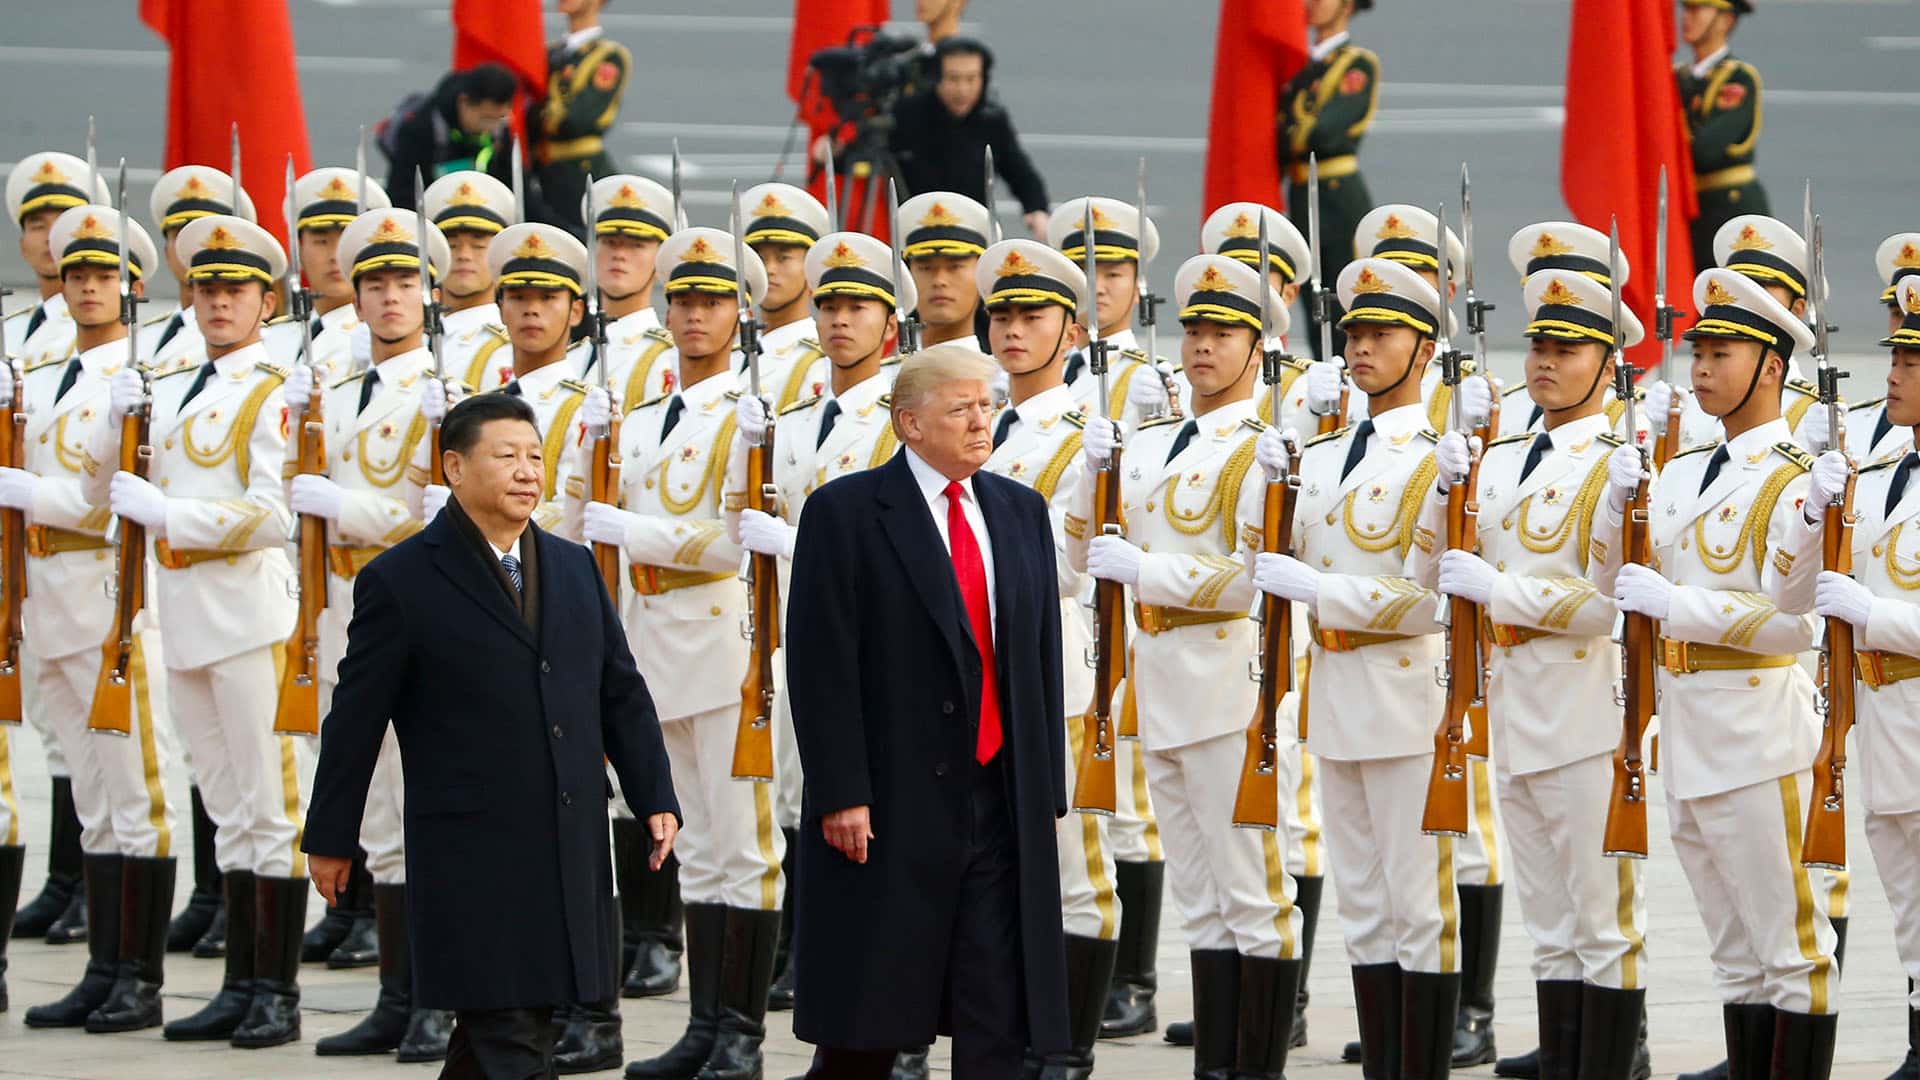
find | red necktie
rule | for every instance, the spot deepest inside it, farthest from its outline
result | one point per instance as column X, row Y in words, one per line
column 971, row 572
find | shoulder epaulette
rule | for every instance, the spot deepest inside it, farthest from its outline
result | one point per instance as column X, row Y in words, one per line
column 275, row 370
column 1514, row 389
column 1883, row 463
column 280, row 320
column 804, row 343
column 1611, row 439
column 1525, row 436
column 1295, row 362
column 178, row 365
column 576, row 386
column 886, row 400
column 1162, row 422
column 732, row 395
column 158, row 319
column 1328, row 436
column 1254, row 423
column 495, row 329
column 803, row 403
column 659, row 333
column 1702, row 448
column 1794, row 453
column 47, row 361
column 1430, row 435
column 653, row 401
column 348, row 381
column 1874, row 404
column 1138, row 356
column 1076, row 417
column 1804, row 387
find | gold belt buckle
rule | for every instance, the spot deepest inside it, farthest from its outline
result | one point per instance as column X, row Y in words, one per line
column 1674, row 656
column 1873, row 670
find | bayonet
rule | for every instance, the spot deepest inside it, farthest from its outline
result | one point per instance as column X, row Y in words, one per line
column 1270, row 358
column 749, row 327
column 993, row 211
column 300, row 309
column 1149, row 303
column 679, row 207
column 360, row 204
column 1096, row 349
column 596, row 312
column 1442, row 336
column 1476, row 308
column 1622, row 373
column 1322, row 302
column 430, row 307
column 1662, row 314
column 93, row 164
column 833, row 194
column 909, row 325
column 517, row 173
column 233, row 166
column 129, row 300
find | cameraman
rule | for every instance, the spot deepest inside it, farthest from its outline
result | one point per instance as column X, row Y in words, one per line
column 940, row 138
column 460, row 124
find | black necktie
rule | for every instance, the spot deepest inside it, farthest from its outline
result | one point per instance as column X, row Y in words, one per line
column 1075, row 361
column 318, row 326
column 33, row 323
column 367, row 384
column 68, row 378
column 1005, row 427
column 1880, row 429
column 1534, row 416
column 1187, row 431
column 513, row 387
column 1542, row 443
column 199, row 382
column 1718, row 459
column 1358, row 449
column 675, row 406
column 173, row 327
column 828, row 416
column 1899, row 485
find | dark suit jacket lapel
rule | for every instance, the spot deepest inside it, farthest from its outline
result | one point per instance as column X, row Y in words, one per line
column 1008, row 555
column 456, row 557
column 909, row 525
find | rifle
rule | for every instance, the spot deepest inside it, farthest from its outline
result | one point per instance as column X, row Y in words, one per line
column 1446, row 808
column 13, row 535
column 298, row 712
column 1479, row 727
column 430, row 327
column 1257, row 804
column 1094, row 782
column 1825, row 843
column 1626, row 829
column 908, row 341
column 753, row 741
column 603, row 480
column 1663, row 316
column 112, row 710
column 1322, row 299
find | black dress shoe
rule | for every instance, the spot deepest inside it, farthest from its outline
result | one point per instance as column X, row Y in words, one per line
column 591, row 1040
column 426, row 1039
column 1522, row 1067
column 910, row 1065
column 273, row 1017
column 146, row 902
column 218, row 1018
column 1179, row 1033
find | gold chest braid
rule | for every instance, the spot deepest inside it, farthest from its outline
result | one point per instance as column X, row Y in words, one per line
column 1049, row 477
column 1219, row 506
column 1398, row 534
column 556, row 441
column 1579, row 516
column 1753, row 531
column 237, row 444
column 714, row 476
column 382, row 476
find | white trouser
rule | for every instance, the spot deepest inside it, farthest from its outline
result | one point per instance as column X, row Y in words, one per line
column 1306, row 848
column 1397, row 892
column 1765, row 914
column 730, row 849
column 1586, row 911
column 38, row 719
column 1231, row 885
column 1134, row 833
column 253, row 782
column 1088, row 906
column 1476, row 856
column 1895, row 840
column 117, row 780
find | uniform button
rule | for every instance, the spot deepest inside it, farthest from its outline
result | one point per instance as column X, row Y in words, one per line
column 940, row 769
column 1404, row 662
column 566, row 798
column 545, row 668
column 558, row 732
column 947, row 707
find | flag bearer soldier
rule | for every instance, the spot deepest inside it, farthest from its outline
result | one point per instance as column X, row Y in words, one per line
column 377, row 450
column 180, row 196
column 325, row 201
column 1552, row 673
column 684, row 620
column 39, row 189
column 1721, row 98
column 1724, row 519
column 1192, row 501
column 218, row 517
column 471, row 209
column 586, row 78
column 782, row 224
column 1375, row 700
column 1123, row 245
column 126, row 821
column 943, row 236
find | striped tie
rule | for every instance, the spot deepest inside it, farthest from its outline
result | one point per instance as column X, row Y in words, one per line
column 511, row 565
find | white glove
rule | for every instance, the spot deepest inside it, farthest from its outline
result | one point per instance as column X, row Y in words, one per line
column 16, row 485
column 1147, row 392
column 1643, row 591
column 606, row 524
column 596, row 412
column 1476, row 400
column 6, row 385
column 765, row 534
column 1829, row 479
column 125, row 394
column 1323, row 386
column 433, row 406
column 137, row 500
column 1112, row 558
column 1837, row 596
column 1098, row 440
column 1625, row 470
column 360, row 347
column 1286, row 577
column 750, row 419
column 1274, row 449
column 316, row 495
column 295, row 390
column 1467, row 576
column 1454, row 457
column 1659, row 398
column 433, row 499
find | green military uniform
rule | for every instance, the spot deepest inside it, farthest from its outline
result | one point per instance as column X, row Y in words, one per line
column 585, row 82
column 1324, row 111
column 1723, row 122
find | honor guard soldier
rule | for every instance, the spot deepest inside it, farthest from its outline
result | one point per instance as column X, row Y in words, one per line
column 684, row 621
column 1724, row 520
column 40, row 189
column 1376, row 642
column 1878, row 599
column 1897, row 259
column 126, row 822
column 324, row 202
column 1325, row 110
column 782, row 225
column 471, row 209
column 586, row 78
column 1871, row 436
column 943, row 236
column 1123, row 245
column 180, row 196
column 1721, row 98
column 845, row 429
column 1032, row 325
column 631, row 219
column 214, row 507
column 1192, row 502
column 370, row 497
column 1551, row 679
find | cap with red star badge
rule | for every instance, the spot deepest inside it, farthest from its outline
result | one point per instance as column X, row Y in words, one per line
column 1028, row 273
column 195, row 191
column 1234, row 231
column 1764, row 249
column 1735, row 306
column 1907, row 336
column 1564, row 245
column 1405, row 234
column 1222, row 289
column 92, row 236
column 942, row 223
column 1383, row 292
column 782, row 214
column 631, row 206
column 1897, row 258
column 386, row 240
column 1120, row 234
column 700, row 259
column 855, row 264
column 221, row 247
column 50, row 180
column 469, row 202
column 1568, row 305
column 329, row 198
column 535, row 256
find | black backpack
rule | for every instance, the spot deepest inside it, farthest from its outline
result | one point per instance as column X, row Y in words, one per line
column 386, row 133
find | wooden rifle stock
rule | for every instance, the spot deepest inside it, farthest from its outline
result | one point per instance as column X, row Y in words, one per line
column 604, row 485
column 1257, row 803
column 1626, row 828
column 1446, row 809
column 1666, row 445
column 753, row 740
column 298, row 712
column 1825, row 843
column 1332, row 422
column 1094, row 779
column 112, row 711
column 13, row 564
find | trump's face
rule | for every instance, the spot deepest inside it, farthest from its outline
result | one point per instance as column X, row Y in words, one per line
column 948, row 427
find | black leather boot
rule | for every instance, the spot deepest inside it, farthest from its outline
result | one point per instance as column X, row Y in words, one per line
column 1609, row 1032
column 1269, row 990
column 650, row 912
column 103, row 875
column 1803, row 1045
column 63, row 866
column 1429, row 1002
column 13, row 861
column 361, row 945
column 591, row 1040
column 219, row 1017
column 1839, row 945
column 706, row 931
column 1216, row 1012
column 1480, row 909
column 1749, row 1031
column 146, row 900
column 1306, row 897
column 318, row 943
column 1090, row 964
column 213, row 944
column 745, row 974
column 1908, row 1070
column 273, row 1017
column 1130, row 1010
column 1376, row 1004
column 192, row 923
column 380, row 1031
column 1562, row 1017
column 780, row 994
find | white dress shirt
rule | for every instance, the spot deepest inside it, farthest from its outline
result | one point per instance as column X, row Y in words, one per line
column 933, row 487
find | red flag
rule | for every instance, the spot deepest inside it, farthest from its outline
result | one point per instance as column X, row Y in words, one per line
column 1261, row 44
column 1624, row 122
column 818, row 24
column 233, row 63
column 509, row 33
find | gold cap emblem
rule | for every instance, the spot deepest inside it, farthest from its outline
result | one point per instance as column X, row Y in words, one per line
column 1015, row 263
column 336, row 191
column 843, row 256
column 1212, row 280
column 533, row 247
column 1369, row 282
column 192, row 189
column 938, row 217
column 1394, row 229
column 221, row 240
column 700, row 251
column 1547, row 245
column 1911, row 301
column 1909, row 257
column 1718, row 294
column 1243, row 227
column 1559, row 295
column 627, row 199
column 1751, row 240
column 771, row 206
column 464, row 195
column 92, row 228
column 1101, row 221
column 49, row 173
column 390, row 232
